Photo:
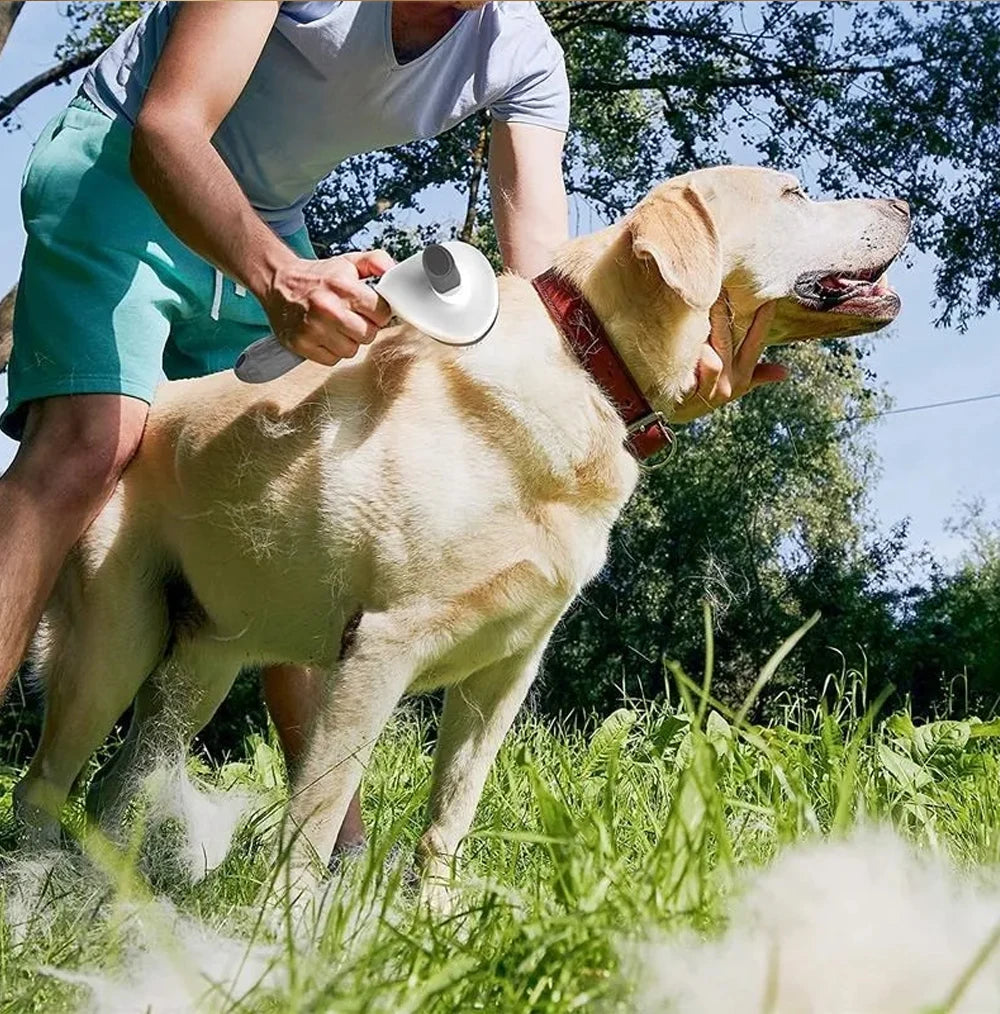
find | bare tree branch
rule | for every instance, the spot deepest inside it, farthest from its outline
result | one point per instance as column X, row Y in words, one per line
column 59, row 72
column 9, row 11
column 658, row 82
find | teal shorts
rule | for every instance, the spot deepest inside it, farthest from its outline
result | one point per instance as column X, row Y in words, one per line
column 109, row 299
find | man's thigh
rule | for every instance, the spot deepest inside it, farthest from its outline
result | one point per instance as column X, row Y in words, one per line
column 76, row 445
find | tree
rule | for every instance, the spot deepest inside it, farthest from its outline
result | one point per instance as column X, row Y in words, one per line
column 8, row 15
column 895, row 97
column 952, row 632
column 764, row 509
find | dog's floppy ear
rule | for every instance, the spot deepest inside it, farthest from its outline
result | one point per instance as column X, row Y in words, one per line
column 674, row 228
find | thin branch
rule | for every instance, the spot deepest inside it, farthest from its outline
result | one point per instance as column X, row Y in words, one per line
column 721, row 39
column 658, row 82
column 651, row 31
column 567, row 18
column 59, row 72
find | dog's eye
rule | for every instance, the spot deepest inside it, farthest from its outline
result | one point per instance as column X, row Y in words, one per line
column 795, row 191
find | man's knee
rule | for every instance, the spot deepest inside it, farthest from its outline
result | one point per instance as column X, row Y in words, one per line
column 75, row 448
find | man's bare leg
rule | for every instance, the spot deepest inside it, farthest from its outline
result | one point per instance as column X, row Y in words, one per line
column 75, row 447
column 291, row 693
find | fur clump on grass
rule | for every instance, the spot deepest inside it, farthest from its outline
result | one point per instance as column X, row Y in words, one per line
column 862, row 924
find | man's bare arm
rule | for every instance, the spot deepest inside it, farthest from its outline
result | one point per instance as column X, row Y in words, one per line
column 322, row 310
column 206, row 62
column 530, row 209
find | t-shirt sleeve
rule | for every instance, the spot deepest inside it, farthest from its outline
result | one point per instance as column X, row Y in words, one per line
column 540, row 96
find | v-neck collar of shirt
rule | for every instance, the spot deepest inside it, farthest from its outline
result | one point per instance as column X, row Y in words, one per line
column 390, row 49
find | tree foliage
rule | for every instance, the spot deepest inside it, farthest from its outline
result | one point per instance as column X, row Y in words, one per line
column 951, row 638
column 764, row 511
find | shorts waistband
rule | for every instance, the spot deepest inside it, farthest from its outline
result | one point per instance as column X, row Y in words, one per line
column 85, row 112
column 80, row 101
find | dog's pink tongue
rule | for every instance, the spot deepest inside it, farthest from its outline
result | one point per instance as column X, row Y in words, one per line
column 855, row 286
column 838, row 283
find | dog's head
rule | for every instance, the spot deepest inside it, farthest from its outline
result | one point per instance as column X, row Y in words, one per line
column 748, row 236
column 754, row 235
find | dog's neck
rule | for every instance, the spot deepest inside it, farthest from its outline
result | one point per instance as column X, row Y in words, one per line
column 657, row 335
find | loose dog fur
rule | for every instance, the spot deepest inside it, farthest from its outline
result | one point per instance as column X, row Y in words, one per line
column 449, row 503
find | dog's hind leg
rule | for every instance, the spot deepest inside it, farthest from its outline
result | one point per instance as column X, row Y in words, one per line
column 174, row 704
column 105, row 634
column 116, row 784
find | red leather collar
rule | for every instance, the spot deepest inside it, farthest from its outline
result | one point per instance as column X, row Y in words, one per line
column 648, row 433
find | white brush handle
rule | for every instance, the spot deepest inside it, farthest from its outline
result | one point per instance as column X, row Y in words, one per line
column 266, row 360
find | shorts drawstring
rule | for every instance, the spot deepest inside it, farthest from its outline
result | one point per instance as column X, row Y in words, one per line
column 220, row 281
column 217, row 296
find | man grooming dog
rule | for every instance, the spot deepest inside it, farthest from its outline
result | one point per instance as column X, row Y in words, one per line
column 423, row 515
column 164, row 218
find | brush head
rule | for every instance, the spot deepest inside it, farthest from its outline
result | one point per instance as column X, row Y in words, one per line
column 449, row 291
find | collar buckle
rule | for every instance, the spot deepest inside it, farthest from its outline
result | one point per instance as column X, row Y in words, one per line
column 657, row 459
column 651, row 418
column 664, row 457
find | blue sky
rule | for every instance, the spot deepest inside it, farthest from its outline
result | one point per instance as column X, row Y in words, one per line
column 932, row 461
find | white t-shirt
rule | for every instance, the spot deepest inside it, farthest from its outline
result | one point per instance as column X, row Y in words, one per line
column 328, row 86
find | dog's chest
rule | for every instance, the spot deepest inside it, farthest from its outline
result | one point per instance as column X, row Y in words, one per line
column 482, row 615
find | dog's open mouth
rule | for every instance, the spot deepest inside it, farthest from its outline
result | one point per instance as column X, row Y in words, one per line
column 859, row 293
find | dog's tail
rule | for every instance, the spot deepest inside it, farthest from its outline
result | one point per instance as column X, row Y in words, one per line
column 6, row 327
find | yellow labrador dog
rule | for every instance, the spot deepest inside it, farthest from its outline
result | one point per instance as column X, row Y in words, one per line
column 420, row 517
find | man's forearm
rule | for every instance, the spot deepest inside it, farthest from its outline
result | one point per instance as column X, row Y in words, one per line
column 199, row 199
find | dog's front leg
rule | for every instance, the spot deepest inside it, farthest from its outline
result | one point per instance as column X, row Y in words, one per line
column 478, row 714
column 359, row 696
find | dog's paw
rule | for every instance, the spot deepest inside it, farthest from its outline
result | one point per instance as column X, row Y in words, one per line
column 33, row 828
column 438, row 896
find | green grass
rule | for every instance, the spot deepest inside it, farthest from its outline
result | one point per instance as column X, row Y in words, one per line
column 585, row 839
